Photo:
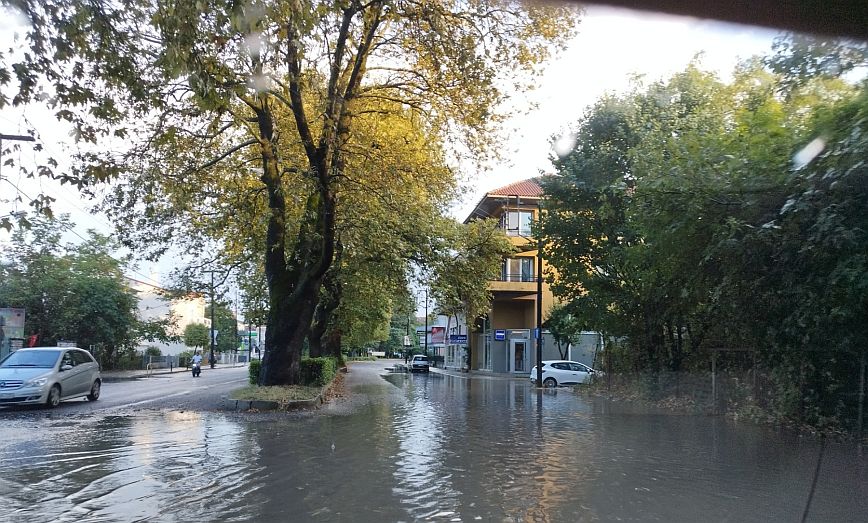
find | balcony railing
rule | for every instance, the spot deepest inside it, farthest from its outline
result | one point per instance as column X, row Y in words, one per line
column 521, row 278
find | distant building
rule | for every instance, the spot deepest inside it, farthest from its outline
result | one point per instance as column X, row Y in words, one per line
column 504, row 340
column 153, row 305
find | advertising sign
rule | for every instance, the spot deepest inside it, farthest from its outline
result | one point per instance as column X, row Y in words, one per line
column 438, row 335
column 500, row 334
column 458, row 339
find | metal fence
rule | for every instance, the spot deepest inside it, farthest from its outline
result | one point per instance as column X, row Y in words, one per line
column 739, row 385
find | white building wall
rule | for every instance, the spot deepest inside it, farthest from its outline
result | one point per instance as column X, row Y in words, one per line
column 184, row 311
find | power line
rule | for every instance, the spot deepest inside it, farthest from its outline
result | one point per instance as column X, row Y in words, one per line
column 28, row 138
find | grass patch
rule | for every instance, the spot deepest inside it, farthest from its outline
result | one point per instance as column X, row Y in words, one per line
column 278, row 393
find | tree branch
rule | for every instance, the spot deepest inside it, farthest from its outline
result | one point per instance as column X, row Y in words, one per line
column 229, row 152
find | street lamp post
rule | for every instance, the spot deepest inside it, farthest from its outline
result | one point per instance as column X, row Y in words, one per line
column 426, row 323
column 211, row 358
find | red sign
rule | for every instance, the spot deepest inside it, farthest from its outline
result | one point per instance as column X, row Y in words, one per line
column 438, row 335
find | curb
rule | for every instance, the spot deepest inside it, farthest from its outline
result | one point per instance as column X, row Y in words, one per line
column 260, row 405
column 143, row 374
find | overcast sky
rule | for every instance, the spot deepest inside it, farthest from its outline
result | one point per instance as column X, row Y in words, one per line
column 612, row 47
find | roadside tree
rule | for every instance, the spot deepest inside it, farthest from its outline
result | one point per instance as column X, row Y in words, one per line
column 280, row 87
column 73, row 293
column 197, row 335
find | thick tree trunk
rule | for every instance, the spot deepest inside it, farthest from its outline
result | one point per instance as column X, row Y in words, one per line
column 329, row 301
column 332, row 343
column 293, row 290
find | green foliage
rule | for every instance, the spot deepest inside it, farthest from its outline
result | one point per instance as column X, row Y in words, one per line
column 226, row 327
column 197, row 335
column 200, row 91
column 684, row 220
column 564, row 327
column 253, row 371
column 74, row 293
column 153, row 351
column 471, row 257
column 318, row 371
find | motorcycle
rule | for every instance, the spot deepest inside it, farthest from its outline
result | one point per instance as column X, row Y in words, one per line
column 197, row 369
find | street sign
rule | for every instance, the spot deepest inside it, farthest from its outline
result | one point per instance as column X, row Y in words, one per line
column 536, row 334
column 407, row 341
column 500, row 335
column 457, row 338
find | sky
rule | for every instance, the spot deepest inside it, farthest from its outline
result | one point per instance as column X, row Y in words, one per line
column 612, row 47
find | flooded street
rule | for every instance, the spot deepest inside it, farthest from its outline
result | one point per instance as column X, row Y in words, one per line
column 422, row 447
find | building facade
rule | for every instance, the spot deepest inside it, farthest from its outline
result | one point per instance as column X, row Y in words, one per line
column 153, row 305
column 504, row 341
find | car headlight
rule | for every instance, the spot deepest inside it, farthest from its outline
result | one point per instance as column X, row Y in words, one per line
column 37, row 382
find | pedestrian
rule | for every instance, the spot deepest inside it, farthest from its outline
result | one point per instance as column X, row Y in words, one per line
column 406, row 357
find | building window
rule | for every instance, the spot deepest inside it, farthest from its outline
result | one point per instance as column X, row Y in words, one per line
column 517, row 269
column 517, row 223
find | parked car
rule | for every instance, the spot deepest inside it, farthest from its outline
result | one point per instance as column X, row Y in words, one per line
column 564, row 372
column 419, row 363
column 48, row 375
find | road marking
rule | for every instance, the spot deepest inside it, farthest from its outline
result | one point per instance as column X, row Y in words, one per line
column 155, row 399
column 181, row 393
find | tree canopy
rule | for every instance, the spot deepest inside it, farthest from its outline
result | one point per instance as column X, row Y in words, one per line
column 694, row 214
column 73, row 293
column 274, row 113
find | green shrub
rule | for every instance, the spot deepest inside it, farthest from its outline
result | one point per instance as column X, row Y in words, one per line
column 253, row 371
column 318, row 371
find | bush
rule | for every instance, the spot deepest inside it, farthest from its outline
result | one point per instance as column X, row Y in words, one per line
column 253, row 371
column 318, row 371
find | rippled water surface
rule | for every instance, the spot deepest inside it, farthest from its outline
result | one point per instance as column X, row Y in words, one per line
column 421, row 447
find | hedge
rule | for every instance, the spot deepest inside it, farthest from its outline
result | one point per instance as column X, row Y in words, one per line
column 318, row 371
column 253, row 371
column 314, row 371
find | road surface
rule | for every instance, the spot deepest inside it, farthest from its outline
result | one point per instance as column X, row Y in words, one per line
column 179, row 391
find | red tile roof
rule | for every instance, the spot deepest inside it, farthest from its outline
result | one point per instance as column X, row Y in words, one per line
column 528, row 187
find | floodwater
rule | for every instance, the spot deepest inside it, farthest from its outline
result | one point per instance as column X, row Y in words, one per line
column 425, row 448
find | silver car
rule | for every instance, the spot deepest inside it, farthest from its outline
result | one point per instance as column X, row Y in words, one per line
column 47, row 375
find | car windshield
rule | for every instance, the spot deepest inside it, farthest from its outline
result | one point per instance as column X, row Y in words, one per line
column 38, row 359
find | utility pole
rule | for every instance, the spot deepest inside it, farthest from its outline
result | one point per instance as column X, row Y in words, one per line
column 249, row 342
column 426, row 322
column 539, row 297
column 211, row 358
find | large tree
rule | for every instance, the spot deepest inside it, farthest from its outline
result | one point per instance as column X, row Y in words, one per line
column 282, row 87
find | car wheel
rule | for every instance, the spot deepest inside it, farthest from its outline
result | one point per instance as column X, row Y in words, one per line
column 550, row 382
column 94, row 391
column 53, row 397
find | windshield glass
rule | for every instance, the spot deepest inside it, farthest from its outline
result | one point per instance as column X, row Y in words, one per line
column 39, row 359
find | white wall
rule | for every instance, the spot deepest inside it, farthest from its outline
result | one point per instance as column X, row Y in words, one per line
column 184, row 311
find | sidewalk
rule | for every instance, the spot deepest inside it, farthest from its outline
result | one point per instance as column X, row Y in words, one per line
column 480, row 374
column 109, row 376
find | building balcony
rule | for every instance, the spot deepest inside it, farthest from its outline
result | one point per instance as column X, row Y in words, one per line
column 513, row 282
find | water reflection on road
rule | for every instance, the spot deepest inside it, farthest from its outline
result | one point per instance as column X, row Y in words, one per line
column 423, row 447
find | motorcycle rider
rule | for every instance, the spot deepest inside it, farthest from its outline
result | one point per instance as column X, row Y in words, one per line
column 197, row 359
